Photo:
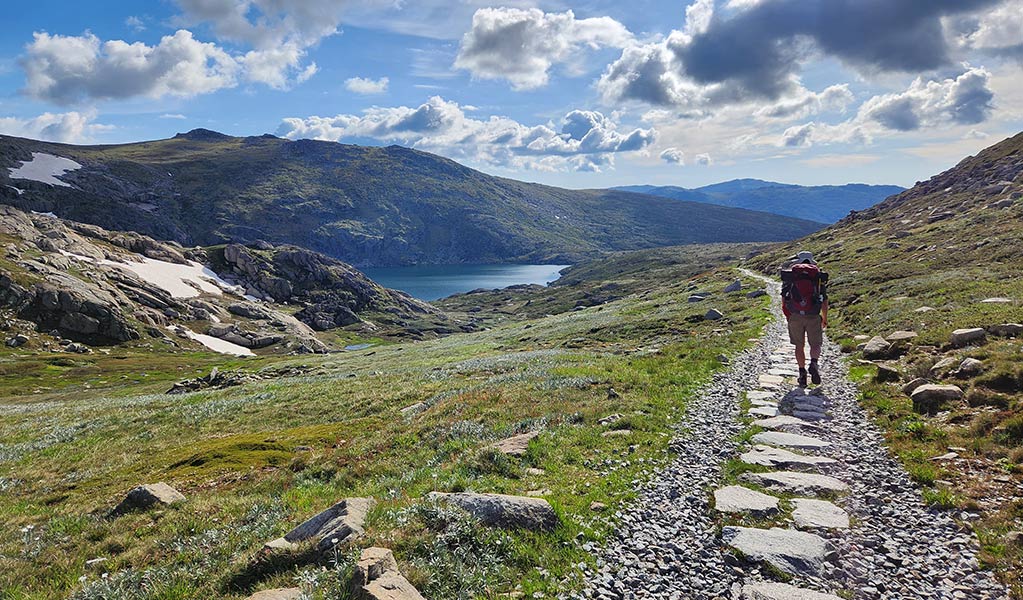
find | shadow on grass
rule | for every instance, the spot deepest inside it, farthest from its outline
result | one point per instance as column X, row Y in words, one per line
column 266, row 564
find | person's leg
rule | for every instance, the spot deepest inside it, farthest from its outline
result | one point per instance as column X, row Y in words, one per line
column 801, row 356
column 815, row 335
column 797, row 336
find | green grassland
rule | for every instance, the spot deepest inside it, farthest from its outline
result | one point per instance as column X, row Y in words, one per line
column 254, row 460
column 889, row 262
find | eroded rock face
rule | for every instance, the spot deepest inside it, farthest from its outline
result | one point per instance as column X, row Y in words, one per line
column 338, row 524
column 376, row 577
column 501, row 510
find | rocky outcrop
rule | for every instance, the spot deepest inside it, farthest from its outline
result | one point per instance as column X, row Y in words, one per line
column 336, row 525
column 877, row 347
column 929, row 398
column 148, row 495
column 376, row 577
column 969, row 336
column 502, row 510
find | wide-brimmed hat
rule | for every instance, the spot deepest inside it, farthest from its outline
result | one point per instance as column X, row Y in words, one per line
column 805, row 257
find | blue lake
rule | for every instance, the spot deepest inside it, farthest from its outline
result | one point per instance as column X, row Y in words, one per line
column 431, row 282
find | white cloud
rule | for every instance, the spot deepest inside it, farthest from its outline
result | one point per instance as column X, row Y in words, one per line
column 135, row 24
column 673, row 156
column 999, row 29
column 703, row 159
column 366, row 86
column 522, row 45
column 69, row 127
column 806, row 103
column 177, row 116
column 266, row 24
column 963, row 100
column 587, row 140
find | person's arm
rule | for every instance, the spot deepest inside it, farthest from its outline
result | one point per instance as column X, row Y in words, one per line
column 824, row 314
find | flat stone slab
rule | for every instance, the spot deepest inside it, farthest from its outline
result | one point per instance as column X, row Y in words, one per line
column 516, row 445
column 819, row 514
column 376, row 577
column 781, row 591
column 789, row 440
column 760, row 395
column 777, row 458
column 788, row 550
column 763, row 403
column 797, row 483
column 771, row 380
column 336, row 525
column 277, row 594
column 809, row 415
column 763, row 411
column 739, row 499
column 780, row 372
column 782, row 422
column 502, row 510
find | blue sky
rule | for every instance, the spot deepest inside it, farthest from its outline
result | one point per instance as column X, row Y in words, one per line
column 571, row 93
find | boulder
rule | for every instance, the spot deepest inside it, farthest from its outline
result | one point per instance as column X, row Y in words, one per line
column 901, row 336
column 970, row 367
column 338, row 524
column 781, row 591
column 910, row 387
column 376, row 577
column 877, row 347
column 930, row 398
column 250, row 310
column 942, row 367
column 793, row 552
column 886, row 374
column 503, row 510
column 739, row 499
column 17, row 341
column 278, row 594
column 1006, row 330
column 713, row 315
column 966, row 337
column 735, row 286
column 756, row 293
column 148, row 495
column 516, row 445
column 696, row 298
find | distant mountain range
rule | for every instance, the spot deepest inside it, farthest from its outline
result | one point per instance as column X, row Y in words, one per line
column 824, row 203
column 363, row 205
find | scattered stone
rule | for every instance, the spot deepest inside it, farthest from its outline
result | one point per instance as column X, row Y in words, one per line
column 337, row 525
column 942, row 367
column 910, row 387
column 763, row 411
column 756, row 293
column 930, row 398
column 145, row 496
column 278, row 594
column 502, row 510
column 781, row 591
column 735, row 286
column 17, row 341
column 713, row 315
column 965, row 337
column 946, row 456
column 970, row 367
column 818, row 513
column 877, row 347
column 617, row 433
column 886, row 374
column 924, row 309
column 539, row 493
column 794, row 552
column 597, row 506
column 901, row 336
column 534, row 472
column 516, row 445
column 739, row 499
column 783, row 421
column 996, row 301
column 697, row 298
column 790, row 440
column 1006, row 330
column 797, row 483
column 376, row 577
column 610, row 419
column 777, row 458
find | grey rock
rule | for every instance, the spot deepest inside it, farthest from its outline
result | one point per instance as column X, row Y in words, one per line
column 696, row 298
column 782, row 591
column 970, row 367
column 930, row 398
column 739, row 499
column 278, row 594
column 797, row 483
column 877, row 347
column 812, row 513
column 735, row 286
column 756, row 293
column 17, row 341
column 376, row 577
column 1006, row 330
column 910, row 387
column 503, row 510
column 942, row 367
column 763, row 411
column 336, row 525
column 782, row 422
column 790, row 440
column 713, row 315
column 998, row 300
column 777, row 458
column 148, row 495
column 901, row 336
column 794, row 552
column 516, row 445
column 966, row 337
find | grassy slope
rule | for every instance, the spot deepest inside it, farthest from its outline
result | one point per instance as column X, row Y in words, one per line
column 364, row 205
column 888, row 262
column 254, row 460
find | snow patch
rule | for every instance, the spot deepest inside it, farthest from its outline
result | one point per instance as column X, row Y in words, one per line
column 45, row 168
column 215, row 344
column 180, row 281
column 19, row 190
column 45, row 214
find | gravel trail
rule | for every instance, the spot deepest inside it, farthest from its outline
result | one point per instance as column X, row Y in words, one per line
column 667, row 544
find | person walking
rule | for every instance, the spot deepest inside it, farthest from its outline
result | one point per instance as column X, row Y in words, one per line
column 805, row 305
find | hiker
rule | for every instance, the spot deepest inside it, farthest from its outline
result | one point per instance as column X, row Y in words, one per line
column 805, row 304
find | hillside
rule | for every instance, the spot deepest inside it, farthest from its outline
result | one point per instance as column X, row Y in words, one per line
column 364, row 205
column 823, row 203
column 942, row 256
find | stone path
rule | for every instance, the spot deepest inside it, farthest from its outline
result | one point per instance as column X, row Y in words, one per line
column 824, row 506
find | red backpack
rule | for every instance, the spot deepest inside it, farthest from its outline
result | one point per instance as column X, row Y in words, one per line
column 802, row 289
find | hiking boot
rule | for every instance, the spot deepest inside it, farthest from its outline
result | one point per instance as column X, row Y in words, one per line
column 815, row 373
column 802, row 378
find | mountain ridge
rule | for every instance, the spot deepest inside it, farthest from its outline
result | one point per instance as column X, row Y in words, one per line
column 365, row 205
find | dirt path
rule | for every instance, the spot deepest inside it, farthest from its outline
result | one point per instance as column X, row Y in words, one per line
column 830, row 512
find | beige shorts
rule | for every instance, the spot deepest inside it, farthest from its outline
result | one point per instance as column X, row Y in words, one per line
column 804, row 328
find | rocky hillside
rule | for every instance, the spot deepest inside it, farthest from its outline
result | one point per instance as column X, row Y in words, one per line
column 363, row 205
column 928, row 285
column 72, row 285
column 824, row 203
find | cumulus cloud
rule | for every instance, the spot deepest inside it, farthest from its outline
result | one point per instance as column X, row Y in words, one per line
column 703, row 160
column 366, row 86
column 998, row 30
column 66, row 127
column 673, row 156
column 522, row 45
column 836, row 97
column 586, row 140
column 135, row 24
column 176, row 116
column 963, row 100
column 265, row 24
